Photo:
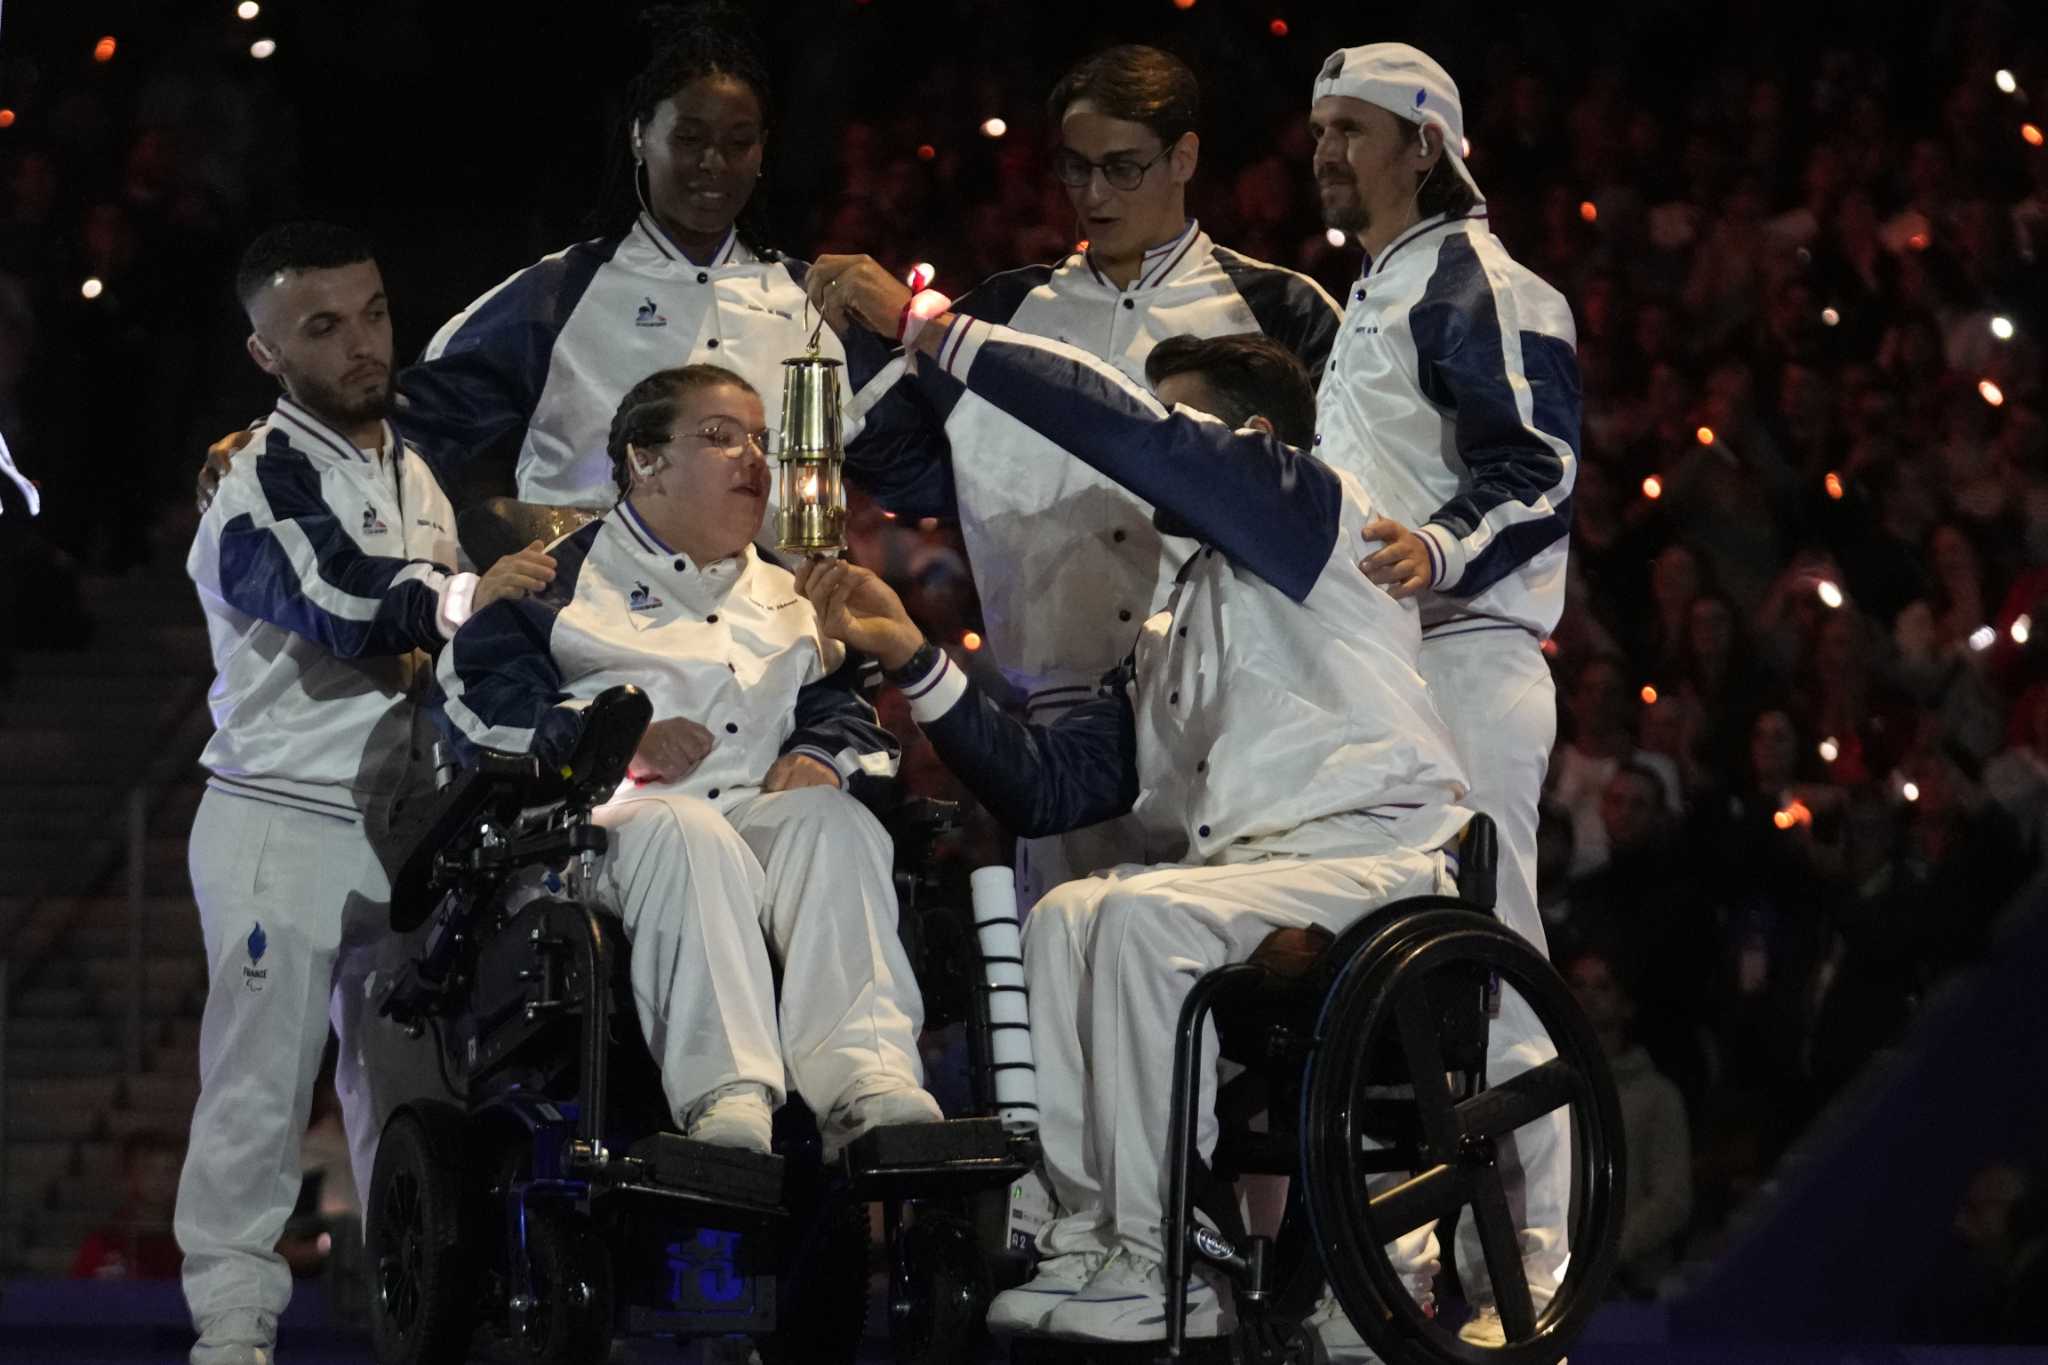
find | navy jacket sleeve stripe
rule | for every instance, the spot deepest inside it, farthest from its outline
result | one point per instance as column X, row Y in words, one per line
column 1271, row 508
column 1289, row 308
column 833, row 718
column 1044, row 779
column 298, row 569
column 482, row 381
column 1519, row 468
column 503, row 689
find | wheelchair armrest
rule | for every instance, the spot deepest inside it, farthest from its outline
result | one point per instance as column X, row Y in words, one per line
column 458, row 809
column 1479, row 862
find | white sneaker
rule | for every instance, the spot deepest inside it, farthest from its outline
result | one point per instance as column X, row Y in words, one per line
column 876, row 1109
column 1484, row 1329
column 240, row 1336
column 1342, row 1343
column 1126, row 1301
column 733, row 1116
column 1057, row 1279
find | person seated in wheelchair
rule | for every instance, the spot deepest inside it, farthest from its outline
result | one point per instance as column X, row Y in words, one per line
column 1270, row 728
column 735, row 848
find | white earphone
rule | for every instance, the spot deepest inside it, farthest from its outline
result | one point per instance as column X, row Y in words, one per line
column 1421, row 140
column 639, row 157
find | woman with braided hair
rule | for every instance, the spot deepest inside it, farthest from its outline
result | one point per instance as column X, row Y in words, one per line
column 518, row 389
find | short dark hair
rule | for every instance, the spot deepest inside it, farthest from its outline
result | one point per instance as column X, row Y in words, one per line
column 648, row 410
column 1133, row 83
column 1253, row 375
column 292, row 247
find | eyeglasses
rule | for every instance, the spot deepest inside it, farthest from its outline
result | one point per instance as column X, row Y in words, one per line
column 731, row 440
column 1074, row 171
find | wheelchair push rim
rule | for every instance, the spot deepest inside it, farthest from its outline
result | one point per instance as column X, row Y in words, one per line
column 1381, row 999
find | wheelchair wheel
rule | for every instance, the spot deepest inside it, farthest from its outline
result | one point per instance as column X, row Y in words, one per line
column 821, row 1292
column 938, row 1290
column 1406, row 1001
column 422, row 1310
column 570, row 1322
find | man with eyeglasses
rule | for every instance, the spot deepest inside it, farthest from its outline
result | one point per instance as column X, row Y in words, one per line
column 1060, row 608
column 733, row 843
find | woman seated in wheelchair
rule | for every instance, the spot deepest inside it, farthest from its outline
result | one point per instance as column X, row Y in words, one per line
column 1272, row 730
column 734, row 846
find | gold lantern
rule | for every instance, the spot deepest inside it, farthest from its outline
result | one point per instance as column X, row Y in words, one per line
column 812, row 516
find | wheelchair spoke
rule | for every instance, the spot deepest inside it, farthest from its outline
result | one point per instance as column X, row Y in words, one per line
column 1426, row 1071
column 1436, row 1194
column 1503, row 1257
column 1521, row 1099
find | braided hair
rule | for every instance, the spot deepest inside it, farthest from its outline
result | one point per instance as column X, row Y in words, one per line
column 647, row 414
column 687, row 43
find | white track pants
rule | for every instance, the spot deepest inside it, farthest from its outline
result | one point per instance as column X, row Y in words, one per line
column 293, row 909
column 1494, row 691
column 801, row 878
column 1109, row 961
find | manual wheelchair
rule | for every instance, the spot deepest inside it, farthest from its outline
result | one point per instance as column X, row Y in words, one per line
column 1366, row 1053
column 553, row 1207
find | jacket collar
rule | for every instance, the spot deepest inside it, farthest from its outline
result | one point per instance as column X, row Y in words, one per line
column 1377, row 265
column 673, row 565
column 316, row 437
column 729, row 252
column 1161, row 262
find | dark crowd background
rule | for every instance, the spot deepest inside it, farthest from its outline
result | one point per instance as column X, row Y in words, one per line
column 1803, row 756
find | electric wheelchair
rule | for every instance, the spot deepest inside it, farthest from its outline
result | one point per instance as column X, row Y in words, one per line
column 554, row 1208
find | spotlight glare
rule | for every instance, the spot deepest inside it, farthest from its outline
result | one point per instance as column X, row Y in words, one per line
column 2022, row 628
column 92, row 288
column 1589, row 211
column 971, row 641
column 1990, row 393
column 1911, row 791
column 262, row 48
column 1829, row 316
column 1278, row 28
column 925, row 151
column 103, row 50
column 1183, row 4
column 1833, row 484
column 1918, row 241
column 2001, row 327
column 1782, row 819
column 1649, row 695
column 2031, row 132
column 1829, row 750
column 1653, row 488
column 2005, row 82
column 1982, row 638
column 1334, row 236
column 248, row 9
column 1830, row 594
column 994, row 127
column 6, row 118
column 1705, row 436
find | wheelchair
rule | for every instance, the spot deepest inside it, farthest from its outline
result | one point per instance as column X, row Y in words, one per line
column 1366, row 1052
column 554, row 1208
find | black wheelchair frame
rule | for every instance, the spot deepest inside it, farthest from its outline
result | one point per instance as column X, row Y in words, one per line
column 774, row 1236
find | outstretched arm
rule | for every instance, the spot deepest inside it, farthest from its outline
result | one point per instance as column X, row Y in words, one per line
column 1037, row 779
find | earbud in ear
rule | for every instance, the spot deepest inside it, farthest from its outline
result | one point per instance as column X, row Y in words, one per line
column 639, row 154
column 1421, row 141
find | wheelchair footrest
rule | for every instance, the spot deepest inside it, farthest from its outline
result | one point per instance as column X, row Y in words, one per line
column 925, row 1160
column 728, row 1172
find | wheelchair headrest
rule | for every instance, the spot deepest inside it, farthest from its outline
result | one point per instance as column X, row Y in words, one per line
column 496, row 527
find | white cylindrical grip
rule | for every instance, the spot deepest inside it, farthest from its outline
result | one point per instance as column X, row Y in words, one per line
column 1002, row 985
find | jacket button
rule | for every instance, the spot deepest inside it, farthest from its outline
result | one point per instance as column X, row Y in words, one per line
column 1124, row 615
column 714, row 797
column 1117, row 536
column 1202, row 830
column 1203, row 766
column 731, row 728
column 713, row 343
column 712, row 619
column 1319, row 438
column 1128, row 303
column 1183, row 632
column 703, row 278
column 681, row 565
column 1173, row 698
column 1360, row 296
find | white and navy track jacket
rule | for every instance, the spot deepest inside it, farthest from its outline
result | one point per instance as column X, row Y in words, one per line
column 1453, row 394
column 547, row 354
column 323, row 572
column 1275, row 699
column 1067, row 563
column 730, row 645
